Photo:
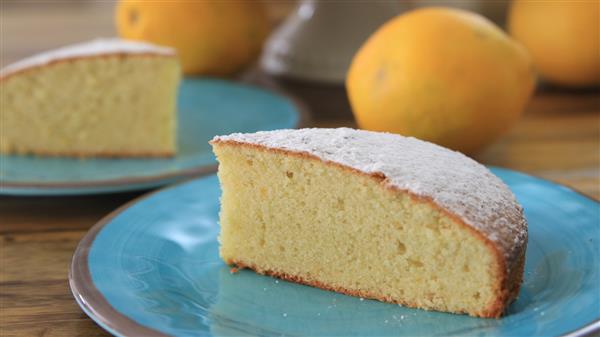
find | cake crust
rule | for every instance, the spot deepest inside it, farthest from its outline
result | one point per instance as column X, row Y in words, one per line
column 8, row 75
column 96, row 154
column 96, row 48
column 508, row 249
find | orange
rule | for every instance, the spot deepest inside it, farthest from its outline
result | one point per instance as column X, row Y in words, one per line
column 215, row 38
column 443, row 75
column 563, row 38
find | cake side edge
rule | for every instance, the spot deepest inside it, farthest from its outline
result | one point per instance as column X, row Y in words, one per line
column 350, row 292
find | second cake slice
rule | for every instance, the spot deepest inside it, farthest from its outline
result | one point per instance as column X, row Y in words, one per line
column 107, row 97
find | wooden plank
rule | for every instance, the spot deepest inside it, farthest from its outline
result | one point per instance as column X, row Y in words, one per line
column 43, row 308
column 34, row 293
column 42, row 256
column 80, row 327
column 38, row 301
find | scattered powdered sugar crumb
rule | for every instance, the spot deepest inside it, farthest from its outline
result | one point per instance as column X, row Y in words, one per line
column 89, row 48
column 396, row 318
column 452, row 180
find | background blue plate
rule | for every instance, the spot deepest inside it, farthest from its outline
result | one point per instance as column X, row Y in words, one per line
column 206, row 107
column 154, row 265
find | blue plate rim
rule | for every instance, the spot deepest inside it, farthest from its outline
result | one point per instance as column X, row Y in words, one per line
column 141, row 182
column 96, row 307
column 105, row 186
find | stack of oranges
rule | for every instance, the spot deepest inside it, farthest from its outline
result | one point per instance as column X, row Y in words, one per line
column 452, row 77
column 444, row 75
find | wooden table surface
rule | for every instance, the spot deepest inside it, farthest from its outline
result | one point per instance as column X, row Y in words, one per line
column 558, row 138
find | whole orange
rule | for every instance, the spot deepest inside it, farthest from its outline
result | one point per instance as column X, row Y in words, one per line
column 563, row 38
column 443, row 75
column 215, row 38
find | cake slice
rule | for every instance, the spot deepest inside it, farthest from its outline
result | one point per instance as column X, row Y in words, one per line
column 107, row 97
column 373, row 215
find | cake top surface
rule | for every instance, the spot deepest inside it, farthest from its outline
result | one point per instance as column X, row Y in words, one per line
column 452, row 180
column 90, row 48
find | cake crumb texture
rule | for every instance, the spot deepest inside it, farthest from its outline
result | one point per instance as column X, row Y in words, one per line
column 454, row 181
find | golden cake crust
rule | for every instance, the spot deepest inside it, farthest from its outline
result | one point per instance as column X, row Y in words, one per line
column 510, row 266
column 105, row 154
column 98, row 48
column 9, row 75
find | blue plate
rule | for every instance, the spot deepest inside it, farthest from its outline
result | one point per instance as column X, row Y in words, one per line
column 152, row 268
column 206, row 107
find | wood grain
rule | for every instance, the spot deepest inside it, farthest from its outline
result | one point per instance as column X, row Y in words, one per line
column 558, row 138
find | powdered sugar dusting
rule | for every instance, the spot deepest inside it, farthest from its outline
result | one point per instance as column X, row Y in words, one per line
column 452, row 180
column 90, row 48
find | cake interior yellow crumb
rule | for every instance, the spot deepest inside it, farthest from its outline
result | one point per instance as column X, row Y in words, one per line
column 333, row 227
column 92, row 106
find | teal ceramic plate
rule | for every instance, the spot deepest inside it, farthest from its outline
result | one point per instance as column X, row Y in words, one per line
column 152, row 268
column 206, row 107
